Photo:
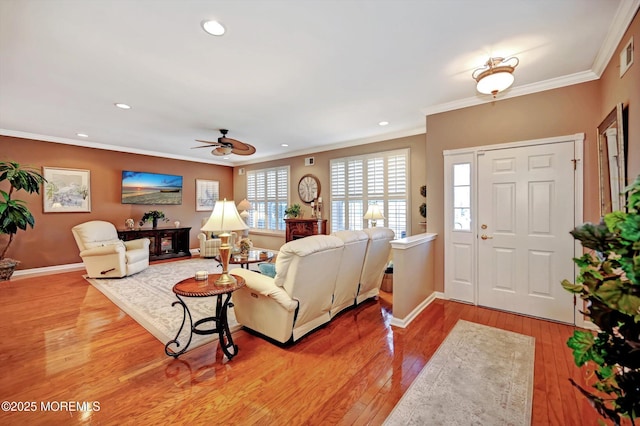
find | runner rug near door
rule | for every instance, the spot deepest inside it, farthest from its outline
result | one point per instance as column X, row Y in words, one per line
column 147, row 297
column 479, row 375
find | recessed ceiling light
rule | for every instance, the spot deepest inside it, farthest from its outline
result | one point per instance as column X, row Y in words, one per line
column 284, row 144
column 383, row 123
column 122, row 106
column 82, row 135
column 213, row 27
column 225, row 158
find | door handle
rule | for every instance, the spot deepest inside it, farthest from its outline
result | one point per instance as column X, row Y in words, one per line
column 486, row 237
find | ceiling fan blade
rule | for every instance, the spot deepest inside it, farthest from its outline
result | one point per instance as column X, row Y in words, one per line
column 248, row 150
column 209, row 142
column 203, row 146
column 241, row 148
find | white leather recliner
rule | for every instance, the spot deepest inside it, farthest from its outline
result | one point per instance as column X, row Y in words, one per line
column 350, row 269
column 298, row 299
column 375, row 262
column 106, row 256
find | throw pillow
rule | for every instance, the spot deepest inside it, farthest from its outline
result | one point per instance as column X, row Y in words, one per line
column 268, row 269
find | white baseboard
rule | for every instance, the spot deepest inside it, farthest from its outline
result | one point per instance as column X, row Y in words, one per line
column 404, row 322
column 47, row 270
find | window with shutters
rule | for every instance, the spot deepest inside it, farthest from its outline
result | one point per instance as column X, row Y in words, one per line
column 379, row 178
column 268, row 193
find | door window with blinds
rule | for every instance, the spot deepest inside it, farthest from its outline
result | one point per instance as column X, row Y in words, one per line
column 380, row 178
column 268, row 193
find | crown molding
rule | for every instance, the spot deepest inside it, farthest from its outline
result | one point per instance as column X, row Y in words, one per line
column 513, row 92
column 627, row 10
column 89, row 144
column 347, row 144
column 623, row 17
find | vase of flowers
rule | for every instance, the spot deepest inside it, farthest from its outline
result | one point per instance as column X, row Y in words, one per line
column 153, row 216
column 245, row 246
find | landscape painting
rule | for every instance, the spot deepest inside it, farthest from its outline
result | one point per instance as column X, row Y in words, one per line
column 151, row 188
column 66, row 190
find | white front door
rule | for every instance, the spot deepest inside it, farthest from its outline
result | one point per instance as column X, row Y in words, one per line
column 525, row 212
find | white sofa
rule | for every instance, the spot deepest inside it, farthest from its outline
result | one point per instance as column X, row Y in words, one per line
column 375, row 262
column 316, row 278
column 106, row 256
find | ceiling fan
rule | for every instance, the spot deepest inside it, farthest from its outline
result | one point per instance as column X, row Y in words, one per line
column 226, row 146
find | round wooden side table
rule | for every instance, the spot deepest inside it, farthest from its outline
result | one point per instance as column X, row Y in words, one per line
column 191, row 287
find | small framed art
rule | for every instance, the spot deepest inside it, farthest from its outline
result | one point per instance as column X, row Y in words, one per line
column 207, row 193
column 66, row 190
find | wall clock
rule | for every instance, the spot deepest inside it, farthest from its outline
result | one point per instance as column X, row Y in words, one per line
column 309, row 188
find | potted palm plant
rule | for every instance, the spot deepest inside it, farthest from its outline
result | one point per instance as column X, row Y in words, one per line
column 14, row 213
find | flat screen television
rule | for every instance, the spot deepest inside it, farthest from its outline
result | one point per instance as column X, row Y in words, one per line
column 151, row 188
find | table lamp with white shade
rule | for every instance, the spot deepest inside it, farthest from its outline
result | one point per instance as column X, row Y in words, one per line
column 243, row 207
column 373, row 214
column 224, row 218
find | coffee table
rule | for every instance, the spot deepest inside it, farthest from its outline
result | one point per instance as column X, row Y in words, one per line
column 191, row 287
column 254, row 256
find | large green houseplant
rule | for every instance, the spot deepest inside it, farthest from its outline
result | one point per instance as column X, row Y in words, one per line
column 609, row 280
column 14, row 213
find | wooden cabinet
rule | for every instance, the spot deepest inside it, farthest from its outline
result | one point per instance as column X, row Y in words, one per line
column 166, row 243
column 300, row 228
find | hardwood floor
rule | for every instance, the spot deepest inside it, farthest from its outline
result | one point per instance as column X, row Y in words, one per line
column 62, row 340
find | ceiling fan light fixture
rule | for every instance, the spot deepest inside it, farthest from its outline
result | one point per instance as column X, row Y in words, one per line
column 496, row 75
column 222, row 150
column 213, row 27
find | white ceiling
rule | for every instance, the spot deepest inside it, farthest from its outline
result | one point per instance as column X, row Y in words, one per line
column 310, row 73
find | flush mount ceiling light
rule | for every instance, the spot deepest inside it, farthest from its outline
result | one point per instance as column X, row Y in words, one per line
column 82, row 135
column 496, row 75
column 213, row 27
column 383, row 123
column 122, row 106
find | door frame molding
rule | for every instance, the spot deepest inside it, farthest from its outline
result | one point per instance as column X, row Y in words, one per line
column 578, row 152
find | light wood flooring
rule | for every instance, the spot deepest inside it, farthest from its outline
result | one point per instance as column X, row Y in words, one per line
column 62, row 340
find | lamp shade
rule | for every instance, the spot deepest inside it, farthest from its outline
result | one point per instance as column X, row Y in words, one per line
column 224, row 217
column 244, row 205
column 373, row 213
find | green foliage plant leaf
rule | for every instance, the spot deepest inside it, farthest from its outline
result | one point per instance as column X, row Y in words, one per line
column 609, row 282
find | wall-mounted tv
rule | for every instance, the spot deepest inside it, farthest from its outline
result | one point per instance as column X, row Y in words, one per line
column 151, row 188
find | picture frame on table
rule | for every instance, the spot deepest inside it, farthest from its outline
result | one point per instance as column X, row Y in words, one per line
column 207, row 193
column 66, row 190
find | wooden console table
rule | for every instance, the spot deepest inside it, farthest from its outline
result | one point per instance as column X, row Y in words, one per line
column 300, row 228
column 166, row 243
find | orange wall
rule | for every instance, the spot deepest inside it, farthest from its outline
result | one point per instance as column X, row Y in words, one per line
column 50, row 242
column 625, row 90
column 565, row 111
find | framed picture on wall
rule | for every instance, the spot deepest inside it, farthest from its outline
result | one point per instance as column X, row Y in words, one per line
column 207, row 193
column 66, row 190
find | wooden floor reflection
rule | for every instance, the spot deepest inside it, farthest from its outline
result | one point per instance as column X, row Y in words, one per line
column 62, row 340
